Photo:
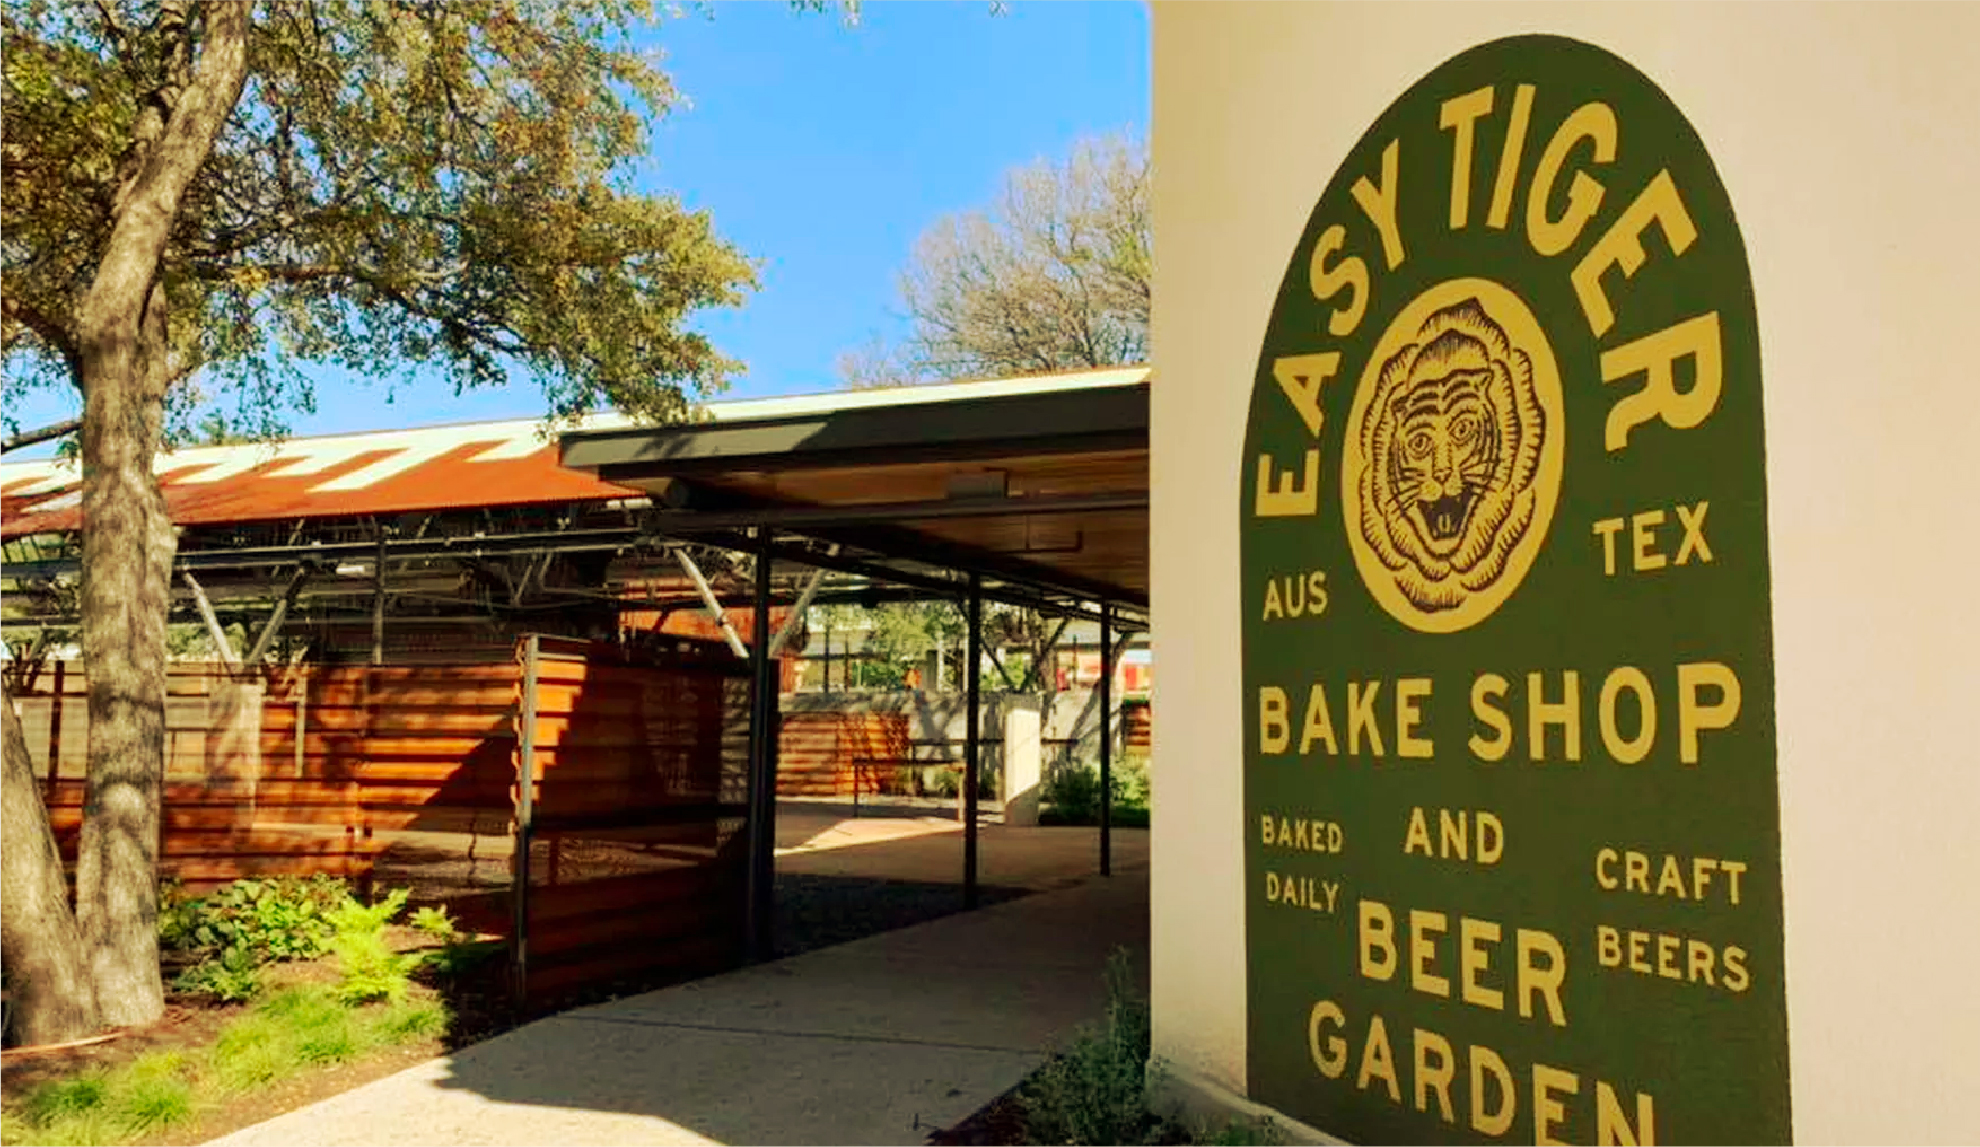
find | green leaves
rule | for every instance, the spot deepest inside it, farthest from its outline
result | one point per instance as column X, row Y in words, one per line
column 404, row 190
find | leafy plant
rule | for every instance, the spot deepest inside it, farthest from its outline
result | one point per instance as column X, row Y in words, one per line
column 264, row 920
column 178, row 915
column 232, row 977
column 941, row 781
column 1074, row 791
column 350, row 917
column 1095, row 1091
column 368, row 967
column 435, row 922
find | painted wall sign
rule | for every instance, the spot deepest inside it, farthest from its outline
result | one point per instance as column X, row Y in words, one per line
column 1512, row 826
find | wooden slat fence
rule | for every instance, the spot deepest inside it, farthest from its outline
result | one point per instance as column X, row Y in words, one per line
column 406, row 776
column 639, row 798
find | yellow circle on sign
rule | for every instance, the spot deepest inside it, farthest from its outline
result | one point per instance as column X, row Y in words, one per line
column 1453, row 456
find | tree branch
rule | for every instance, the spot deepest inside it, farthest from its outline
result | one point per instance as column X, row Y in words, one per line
column 31, row 437
column 47, row 328
column 117, row 296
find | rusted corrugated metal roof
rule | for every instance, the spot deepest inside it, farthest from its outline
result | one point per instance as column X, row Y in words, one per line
column 393, row 472
column 474, row 465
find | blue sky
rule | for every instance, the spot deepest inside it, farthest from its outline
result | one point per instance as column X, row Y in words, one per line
column 823, row 150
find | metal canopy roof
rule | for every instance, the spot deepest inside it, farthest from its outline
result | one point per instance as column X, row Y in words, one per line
column 1038, row 485
column 349, row 475
column 1042, row 482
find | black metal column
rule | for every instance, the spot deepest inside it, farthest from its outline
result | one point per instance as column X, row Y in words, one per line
column 972, row 748
column 378, row 601
column 1106, row 738
column 525, row 831
column 760, row 876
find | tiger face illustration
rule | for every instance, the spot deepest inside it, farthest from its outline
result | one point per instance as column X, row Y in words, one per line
column 1452, row 441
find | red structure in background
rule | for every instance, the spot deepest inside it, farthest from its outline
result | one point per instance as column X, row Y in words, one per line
column 1080, row 669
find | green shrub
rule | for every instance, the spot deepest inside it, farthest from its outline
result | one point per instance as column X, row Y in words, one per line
column 370, row 970
column 435, row 922
column 231, row 978
column 349, row 917
column 1131, row 787
column 178, row 914
column 368, row 967
column 1095, row 1091
column 1073, row 791
column 265, row 920
column 940, row 781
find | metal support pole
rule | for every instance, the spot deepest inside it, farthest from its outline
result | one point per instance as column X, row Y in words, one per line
column 378, row 602
column 222, row 648
column 972, row 748
column 280, row 614
column 760, row 876
column 525, row 817
column 796, row 617
column 1106, row 738
column 715, row 611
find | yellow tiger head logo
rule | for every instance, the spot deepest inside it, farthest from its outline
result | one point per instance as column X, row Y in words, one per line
column 1451, row 441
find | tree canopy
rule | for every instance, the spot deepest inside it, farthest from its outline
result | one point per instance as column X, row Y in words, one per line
column 399, row 187
column 1054, row 275
column 198, row 198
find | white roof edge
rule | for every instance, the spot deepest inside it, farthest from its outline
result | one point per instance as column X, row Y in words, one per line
column 802, row 404
column 745, row 409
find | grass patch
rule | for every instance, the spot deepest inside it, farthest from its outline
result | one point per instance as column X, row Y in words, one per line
column 285, row 1033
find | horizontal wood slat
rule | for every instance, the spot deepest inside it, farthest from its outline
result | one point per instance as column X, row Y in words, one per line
column 409, row 774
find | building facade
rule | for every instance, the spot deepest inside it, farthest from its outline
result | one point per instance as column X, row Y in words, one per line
column 1557, row 483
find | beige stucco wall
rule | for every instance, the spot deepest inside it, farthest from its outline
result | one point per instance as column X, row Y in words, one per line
column 1849, row 139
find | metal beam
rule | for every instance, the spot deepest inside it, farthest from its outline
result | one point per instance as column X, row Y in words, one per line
column 972, row 746
column 759, row 880
column 223, row 648
column 863, row 513
column 796, row 614
column 1034, row 677
column 1110, row 418
column 1106, row 739
column 1025, row 585
column 378, row 601
column 892, row 539
column 714, row 606
column 525, row 820
column 288, row 598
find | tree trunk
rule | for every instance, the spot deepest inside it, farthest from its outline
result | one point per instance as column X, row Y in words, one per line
column 127, row 569
column 52, row 1000
column 125, row 351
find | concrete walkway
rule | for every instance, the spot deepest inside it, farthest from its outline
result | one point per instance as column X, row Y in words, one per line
column 882, row 1040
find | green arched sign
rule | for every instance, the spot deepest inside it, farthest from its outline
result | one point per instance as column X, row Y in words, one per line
column 1512, row 826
